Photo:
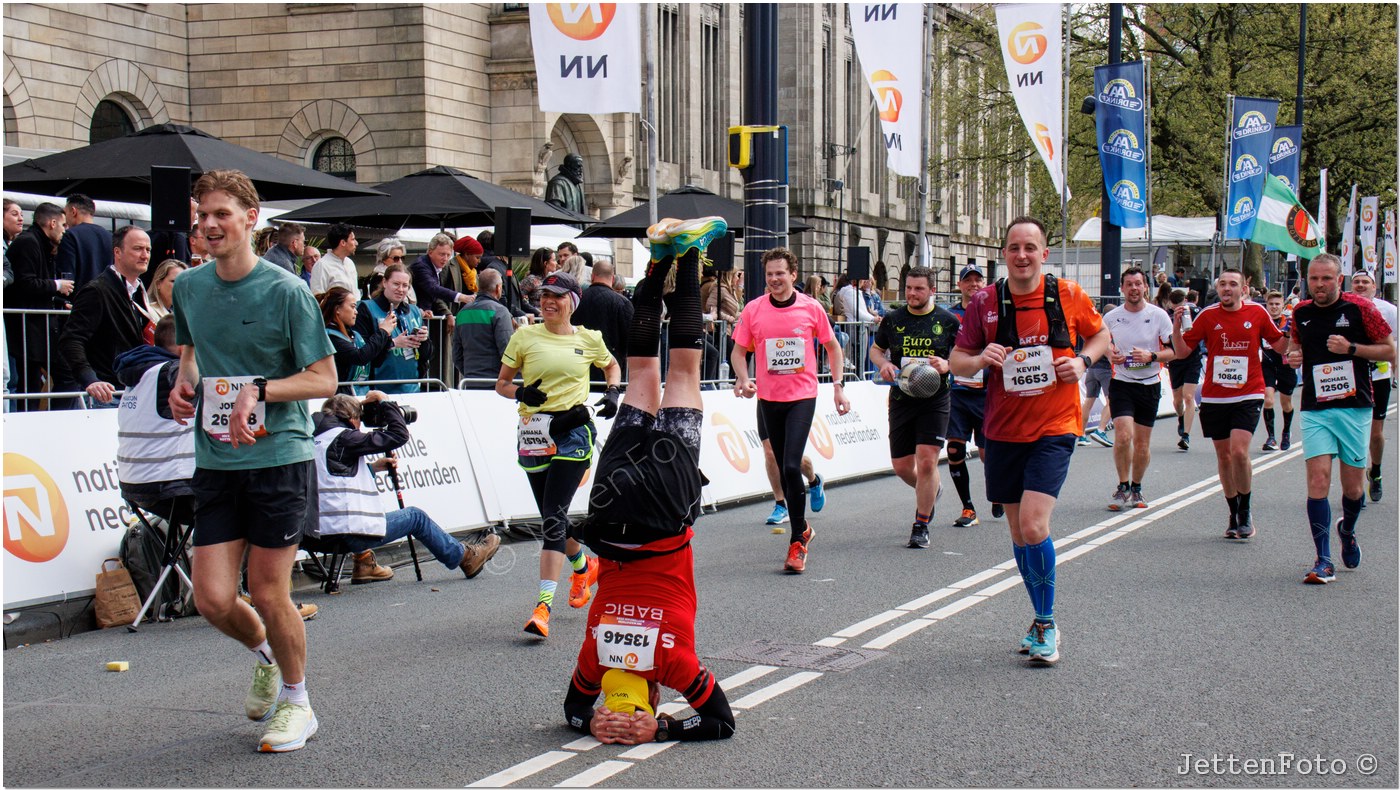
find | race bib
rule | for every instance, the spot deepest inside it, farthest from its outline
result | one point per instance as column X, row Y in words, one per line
column 533, row 436
column 1131, row 365
column 972, row 382
column 1028, row 371
column 785, row 355
column 1229, row 372
column 219, row 395
column 627, row 642
column 1333, row 380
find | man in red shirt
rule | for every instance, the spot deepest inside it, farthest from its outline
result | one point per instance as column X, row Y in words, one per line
column 1024, row 330
column 1234, row 330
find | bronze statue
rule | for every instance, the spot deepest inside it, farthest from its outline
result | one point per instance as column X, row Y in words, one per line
column 565, row 189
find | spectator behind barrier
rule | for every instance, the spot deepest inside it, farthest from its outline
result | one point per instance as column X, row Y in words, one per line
column 349, row 498
column 483, row 329
column 388, row 251
column 407, row 358
column 427, row 279
column 158, row 297
column 109, row 316
column 291, row 239
column 510, row 289
column 542, row 264
column 601, row 308
column 354, row 352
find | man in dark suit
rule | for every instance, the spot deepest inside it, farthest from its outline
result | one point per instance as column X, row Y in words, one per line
column 109, row 317
column 607, row 311
column 86, row 249
column 37, row 287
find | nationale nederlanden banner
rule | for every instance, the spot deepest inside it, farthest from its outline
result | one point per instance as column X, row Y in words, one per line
column 1033, row 53
column 588, row 56
column 888, row 39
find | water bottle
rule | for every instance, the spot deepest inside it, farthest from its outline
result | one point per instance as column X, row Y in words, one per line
column 724, row 371
column 1186, row 320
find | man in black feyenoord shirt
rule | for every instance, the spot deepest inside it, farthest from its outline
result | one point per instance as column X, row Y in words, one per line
column 918, row 426
column 1334, row 335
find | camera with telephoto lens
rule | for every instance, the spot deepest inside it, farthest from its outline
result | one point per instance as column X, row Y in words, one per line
column 374, row 416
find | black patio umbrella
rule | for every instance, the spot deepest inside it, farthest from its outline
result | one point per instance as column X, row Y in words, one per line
column 688, row 202
column 120, row 168
column 439, row 197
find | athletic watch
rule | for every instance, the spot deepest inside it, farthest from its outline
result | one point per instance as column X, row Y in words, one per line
column 1154, row 356
column 663, row 731
column 1088, row 363
column 1352, row 350
column 261, row 384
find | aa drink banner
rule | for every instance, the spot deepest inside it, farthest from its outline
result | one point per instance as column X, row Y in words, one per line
column 1349, row 235
column 1121, row 119
column 588, row 56
column 1283, row 154
column 1251, row 137
column 1031, row 49
column 889, row 43
column 1389, row 257
column 1370, row 216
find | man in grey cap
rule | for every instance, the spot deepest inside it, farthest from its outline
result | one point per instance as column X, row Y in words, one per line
column 965, row 414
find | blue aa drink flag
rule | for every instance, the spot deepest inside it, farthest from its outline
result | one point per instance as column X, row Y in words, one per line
column 1251, row 139
column 1121, row 118
column 1283, row 154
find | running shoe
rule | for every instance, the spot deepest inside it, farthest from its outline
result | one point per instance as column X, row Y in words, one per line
column 1285, row 443
column 1375, row 486
column 997, row 510
column 1351, row 552
column 1184, row 443
column 1027, row 641
column 1122, row 499
column 580, row 584
column 1232, row 532
column 796, row 558
column 817, row 493
column 291, row 727
column 262, row 696
column 1044, row 643
column 659, row 238
column 1269, row 445
column 1246, row 530
column 696, row 234
column 1102, row 438
column 1136, row 499
column 918, row 538
column 1322, row 573
column 1082, row 441
column 779, row 515
column 967, row 519
column 538, row 623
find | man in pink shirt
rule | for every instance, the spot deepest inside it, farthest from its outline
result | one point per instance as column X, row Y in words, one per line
column 781, row 328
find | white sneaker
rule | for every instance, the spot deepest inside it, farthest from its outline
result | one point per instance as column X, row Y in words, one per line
column 291, row 727
column 262, row 696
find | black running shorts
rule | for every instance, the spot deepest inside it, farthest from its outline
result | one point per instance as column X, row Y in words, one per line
column 270, row 507
column 1134, row 399
column 1219, row 419
column 916, row 421
column 649, row 470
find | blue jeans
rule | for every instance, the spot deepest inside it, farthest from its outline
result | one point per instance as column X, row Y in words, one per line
column 413, row 521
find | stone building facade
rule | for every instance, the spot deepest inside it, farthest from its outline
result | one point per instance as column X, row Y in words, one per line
column 377, row 91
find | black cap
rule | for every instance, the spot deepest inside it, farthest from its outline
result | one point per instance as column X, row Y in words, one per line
column 560, row 283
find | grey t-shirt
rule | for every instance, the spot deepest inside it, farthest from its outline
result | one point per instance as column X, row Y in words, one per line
column 266, row 324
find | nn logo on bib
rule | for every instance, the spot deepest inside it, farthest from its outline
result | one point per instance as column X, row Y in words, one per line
column 582, row 21
column 36, row 517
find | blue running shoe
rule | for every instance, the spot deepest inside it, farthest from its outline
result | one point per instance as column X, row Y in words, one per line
column 817, row 493
column 696, row 234
column 660, row 239
column 1102, row 438
column 1082, row 441
column 1044, row 642
column 1322, row 573
column 1351, row 553
column 1285, row 443
column 1027, row 641
column 779, row 515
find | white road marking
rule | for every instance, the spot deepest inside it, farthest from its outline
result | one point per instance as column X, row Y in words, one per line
column 869, row 623
column 769, row 692
column 523, row 770
column 597, row 773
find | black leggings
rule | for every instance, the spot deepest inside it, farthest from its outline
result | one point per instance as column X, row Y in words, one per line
column 554, row 488
column 788, row 424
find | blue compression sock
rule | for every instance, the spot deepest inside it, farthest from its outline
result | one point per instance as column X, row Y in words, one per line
column 1040, row 578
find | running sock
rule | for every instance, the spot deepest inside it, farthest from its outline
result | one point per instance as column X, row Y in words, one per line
column 1375, row 470
column 263, row 653
column 578, row 562
column 1287, row 424
column 1135, row 487
column 547, row 588
column 960, row 482
column 683, row 304
column 295, row 693
column 1320, row 521
column 1234, row 503
column 1351, row 511
column 644, row 336
column 921, row 519
column 1040, row 578
column 1269, row 423
column 1244, row 508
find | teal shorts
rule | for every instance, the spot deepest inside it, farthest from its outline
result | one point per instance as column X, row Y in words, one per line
column 575, row 446
column 1345, row 433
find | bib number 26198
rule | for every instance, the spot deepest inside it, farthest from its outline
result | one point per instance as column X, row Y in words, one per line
column 220, row 393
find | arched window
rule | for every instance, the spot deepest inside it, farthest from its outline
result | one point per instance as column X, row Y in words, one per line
column 11, row 129
column 110, row 120
column 335, row 156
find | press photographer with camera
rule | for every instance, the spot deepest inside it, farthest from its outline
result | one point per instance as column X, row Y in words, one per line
column 349, row 498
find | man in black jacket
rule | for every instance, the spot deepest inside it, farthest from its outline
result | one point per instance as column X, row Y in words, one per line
column 607, row 311
column 86, row 249
column 348, row 494
column 37, row 287
column 108, row 316
column 510, row 288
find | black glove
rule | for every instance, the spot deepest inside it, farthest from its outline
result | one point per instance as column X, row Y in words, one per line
column 566, row 421
column 607, row 407
column 532, row 395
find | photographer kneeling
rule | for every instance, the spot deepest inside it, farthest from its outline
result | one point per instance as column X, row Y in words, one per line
column 349, row 498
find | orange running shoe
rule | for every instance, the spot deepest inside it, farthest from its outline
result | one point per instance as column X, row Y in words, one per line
column 538, row 623
column 579, row 584
column 796, row 558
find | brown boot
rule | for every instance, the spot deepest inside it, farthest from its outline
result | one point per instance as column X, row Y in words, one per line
column 478, row 554
column 367, row 570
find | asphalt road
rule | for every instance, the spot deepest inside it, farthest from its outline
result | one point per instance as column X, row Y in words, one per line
column 1187, row 660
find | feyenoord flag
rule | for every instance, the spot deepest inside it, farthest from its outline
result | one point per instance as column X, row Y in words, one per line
column 1282, row 223
column 1370, row 209
column 588, row 56
column 889, row 43
column 1031, row 49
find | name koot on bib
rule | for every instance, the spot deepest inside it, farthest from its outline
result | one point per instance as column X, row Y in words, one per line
column 533, row 436
column 220, row 392
column 1333, row 380
column 785, row 355
column 1229, row 372
column 627, row 642
column 1028, row 371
